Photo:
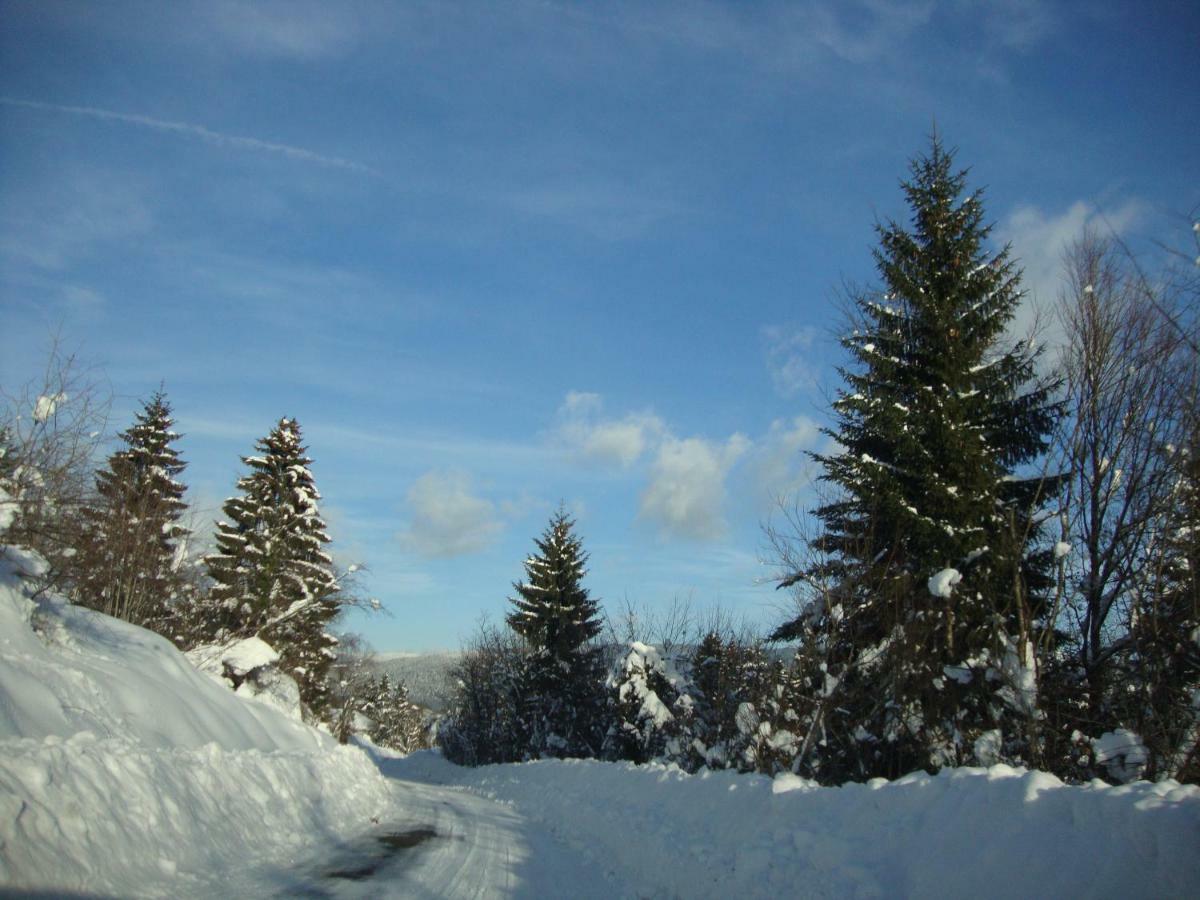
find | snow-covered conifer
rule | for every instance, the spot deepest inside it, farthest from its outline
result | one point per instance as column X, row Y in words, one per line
column 650, row 716
column 558, row 619
column 132, row 539
column 270, row 572
column 397, row 722
column 938, row 425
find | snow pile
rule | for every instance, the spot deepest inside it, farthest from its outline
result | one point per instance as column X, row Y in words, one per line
column 8, row 506
column 1122, row 753
column 247, row 666
column 46, row 406
column 125, row 771
column 943, row 583
column 998, row 832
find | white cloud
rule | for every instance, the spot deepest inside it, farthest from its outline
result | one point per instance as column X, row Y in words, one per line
column 781, row 468
column 790, row 358
column 292, row 29
column 687, row 486
column 620, row 442
column 447, row 518
column 684, row 494
column 581, row 403
column 1039, row 240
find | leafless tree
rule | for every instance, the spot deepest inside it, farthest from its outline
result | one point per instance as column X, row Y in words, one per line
column 669, row 629
column 1127, row 363
column 1119, row 389
column 50, row 428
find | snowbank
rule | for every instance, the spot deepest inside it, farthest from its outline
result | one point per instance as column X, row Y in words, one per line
column 998, row 832
column 125, row 771
column 83, row 671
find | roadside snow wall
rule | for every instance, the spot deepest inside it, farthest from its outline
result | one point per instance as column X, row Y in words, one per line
column 124, row 771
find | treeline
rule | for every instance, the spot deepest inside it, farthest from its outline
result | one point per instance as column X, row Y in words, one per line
column 1004, row 566
column 259, row 604
column 552, row 683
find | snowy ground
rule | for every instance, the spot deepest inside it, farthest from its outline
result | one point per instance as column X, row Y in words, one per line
column 998, row 832
column 126, row 772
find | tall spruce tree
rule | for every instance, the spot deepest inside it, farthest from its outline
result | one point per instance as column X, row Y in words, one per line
column 558, row 620
column 271, row 575
column 927, row 569
column 131, row 536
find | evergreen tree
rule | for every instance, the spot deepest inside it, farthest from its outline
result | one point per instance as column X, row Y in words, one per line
column 271, row 575
column 930, row 539
column 131, row 536
column 651, row 717
column 710, row 688
column 732, row 694
column 397, row 722
column 558, row 620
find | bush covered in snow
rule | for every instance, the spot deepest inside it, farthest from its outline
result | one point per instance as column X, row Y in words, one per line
column 650, row 716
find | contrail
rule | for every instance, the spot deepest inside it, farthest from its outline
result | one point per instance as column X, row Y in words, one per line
column 199, row 131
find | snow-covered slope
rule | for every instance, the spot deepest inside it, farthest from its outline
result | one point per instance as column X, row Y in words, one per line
column 84, row 671
column 125, row 771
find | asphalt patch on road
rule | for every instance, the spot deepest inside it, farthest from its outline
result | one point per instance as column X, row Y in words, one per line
column 383, row 850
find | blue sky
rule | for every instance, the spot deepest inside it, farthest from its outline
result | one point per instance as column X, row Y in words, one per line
column 497, row 255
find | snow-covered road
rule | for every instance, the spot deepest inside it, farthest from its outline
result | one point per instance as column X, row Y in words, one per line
column 462, row 846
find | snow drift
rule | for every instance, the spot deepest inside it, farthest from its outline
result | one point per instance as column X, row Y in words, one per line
column 125, row 771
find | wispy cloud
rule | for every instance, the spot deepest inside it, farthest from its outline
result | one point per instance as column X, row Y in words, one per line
column 52, row 225
column 773, row 34
column 790, row 358
column 1016, row 24
column 860, row 32
column 190, row 130
column 607, row 208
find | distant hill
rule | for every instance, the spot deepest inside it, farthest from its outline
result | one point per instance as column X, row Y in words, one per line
column 426, row 675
